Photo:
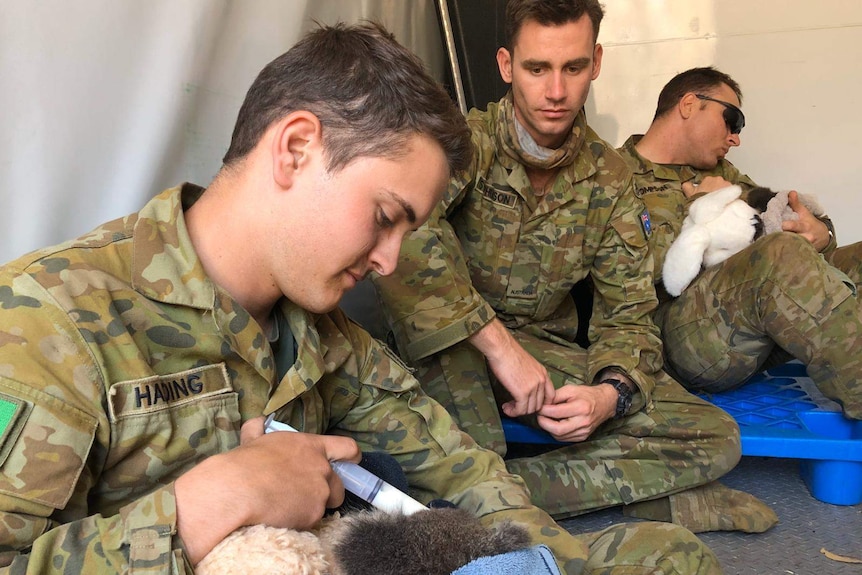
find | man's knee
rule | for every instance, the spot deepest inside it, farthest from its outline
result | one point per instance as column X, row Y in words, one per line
column 652, row 547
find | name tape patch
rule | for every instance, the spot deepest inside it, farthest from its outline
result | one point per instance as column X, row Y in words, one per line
column 165, row 391
column 508, row 199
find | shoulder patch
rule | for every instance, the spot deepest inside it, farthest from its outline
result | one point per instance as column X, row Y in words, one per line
column 11, row 409
column 646, row 223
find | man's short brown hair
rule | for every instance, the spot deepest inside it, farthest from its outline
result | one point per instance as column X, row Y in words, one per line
column 549, row 13
column 369, row 92
column 697, row 80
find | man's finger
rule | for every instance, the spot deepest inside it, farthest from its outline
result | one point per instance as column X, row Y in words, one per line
column 251, row 429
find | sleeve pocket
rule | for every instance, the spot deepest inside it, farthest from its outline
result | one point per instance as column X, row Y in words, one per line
column 43, row 463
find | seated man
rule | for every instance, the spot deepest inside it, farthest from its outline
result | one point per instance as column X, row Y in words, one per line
column 136, row 361
column 481, row 302
column 753, row 310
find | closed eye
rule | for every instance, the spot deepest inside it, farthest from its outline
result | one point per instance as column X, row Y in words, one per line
column 383, row 220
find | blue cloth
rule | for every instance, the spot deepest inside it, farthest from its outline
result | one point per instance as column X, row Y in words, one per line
column 536, row 560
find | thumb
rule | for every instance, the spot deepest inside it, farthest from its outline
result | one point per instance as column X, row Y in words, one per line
column 251, row 429
column 795, row 204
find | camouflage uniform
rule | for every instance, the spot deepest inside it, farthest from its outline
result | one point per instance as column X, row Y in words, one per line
column 775, row 300
column 496, row 248
column 122, row 366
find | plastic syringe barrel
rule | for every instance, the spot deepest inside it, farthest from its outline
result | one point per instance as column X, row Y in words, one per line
column 362, row 482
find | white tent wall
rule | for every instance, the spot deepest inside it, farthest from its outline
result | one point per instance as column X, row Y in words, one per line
column 103, row 103
column 798, row 63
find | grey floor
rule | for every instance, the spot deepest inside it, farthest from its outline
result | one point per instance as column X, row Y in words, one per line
column 793, row 547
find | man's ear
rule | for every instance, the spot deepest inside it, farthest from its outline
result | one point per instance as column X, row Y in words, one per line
column 686, row 105
column 598, row 51
column 504, row 63
column 297, row 137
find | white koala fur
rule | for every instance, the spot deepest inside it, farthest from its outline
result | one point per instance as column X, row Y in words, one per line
column 718, row 225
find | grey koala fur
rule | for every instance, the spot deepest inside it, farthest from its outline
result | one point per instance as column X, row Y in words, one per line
column 774, row 208
column 437, row 541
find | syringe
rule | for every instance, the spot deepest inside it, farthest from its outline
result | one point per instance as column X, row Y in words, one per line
column 362, row 482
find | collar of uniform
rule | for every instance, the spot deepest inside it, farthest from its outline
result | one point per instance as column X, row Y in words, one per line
column 165, row 266
column 581, row 165
column 642, row 166
column 509, row 153
column 309, row 366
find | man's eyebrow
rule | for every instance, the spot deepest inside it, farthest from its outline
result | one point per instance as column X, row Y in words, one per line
column 408, row 209
column 531, row 63
column 577, row 62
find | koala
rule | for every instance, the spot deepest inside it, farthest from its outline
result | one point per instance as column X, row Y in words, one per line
column 432, row 542
column 720, row 224
column 437, row 541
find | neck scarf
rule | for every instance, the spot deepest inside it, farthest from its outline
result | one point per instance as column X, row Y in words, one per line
column 517, row 143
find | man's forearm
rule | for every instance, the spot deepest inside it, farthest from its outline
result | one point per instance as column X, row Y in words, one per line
column 493, row 340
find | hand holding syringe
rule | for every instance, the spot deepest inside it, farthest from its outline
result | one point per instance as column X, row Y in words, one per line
column 362, row 482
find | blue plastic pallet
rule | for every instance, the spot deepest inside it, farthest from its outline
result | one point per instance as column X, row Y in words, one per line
column 778, row 417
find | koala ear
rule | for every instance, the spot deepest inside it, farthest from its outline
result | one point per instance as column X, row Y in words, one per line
column 684, row 258
column 758, row 198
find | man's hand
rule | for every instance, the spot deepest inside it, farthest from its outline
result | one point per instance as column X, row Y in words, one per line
column 282, row 479
column 709, row 184
column 807, row 226
column 516, row 370
column 578, row 410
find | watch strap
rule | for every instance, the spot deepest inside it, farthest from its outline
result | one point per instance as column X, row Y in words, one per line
column 624, row 396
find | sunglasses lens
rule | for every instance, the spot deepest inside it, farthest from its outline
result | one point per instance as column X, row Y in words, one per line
column 734, row 119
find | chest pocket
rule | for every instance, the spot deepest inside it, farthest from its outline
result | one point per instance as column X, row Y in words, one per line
column 162, row 425
column 546, row 265
column 666, row 205
column 488, row 225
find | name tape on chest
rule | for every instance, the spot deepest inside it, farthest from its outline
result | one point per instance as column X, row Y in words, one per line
column 641, row 191
column 159, row 392
column 504, row 198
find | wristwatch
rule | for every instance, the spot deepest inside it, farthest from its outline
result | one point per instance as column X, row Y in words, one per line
column 624, row 399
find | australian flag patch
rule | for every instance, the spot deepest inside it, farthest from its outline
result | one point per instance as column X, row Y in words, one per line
column 646, row 223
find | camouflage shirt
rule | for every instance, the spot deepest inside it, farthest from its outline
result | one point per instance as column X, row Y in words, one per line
column 122, row 365
column 496, row 247
column 660, row 188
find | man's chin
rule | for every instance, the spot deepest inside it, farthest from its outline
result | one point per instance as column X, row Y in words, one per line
column 323, row 305
column 707, row 165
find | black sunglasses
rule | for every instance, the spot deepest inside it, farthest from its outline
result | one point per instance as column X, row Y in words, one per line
column 733, row 116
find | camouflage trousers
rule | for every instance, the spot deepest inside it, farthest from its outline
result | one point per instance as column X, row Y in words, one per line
column 676, row 442
column 776, row 300
column 646, row 548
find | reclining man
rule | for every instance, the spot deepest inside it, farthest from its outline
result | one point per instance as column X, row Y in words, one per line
column 136, row 362
column 481, row 301
column 752, row 311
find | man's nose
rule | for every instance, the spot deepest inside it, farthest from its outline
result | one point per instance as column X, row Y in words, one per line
column 556, row 89
column 384, row 256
